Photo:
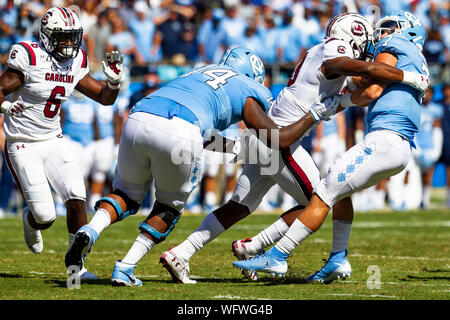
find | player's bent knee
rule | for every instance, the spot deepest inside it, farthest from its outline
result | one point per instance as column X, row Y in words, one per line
column 77, row 192
column 42, row 218
column 131, row 206
column 167, row 214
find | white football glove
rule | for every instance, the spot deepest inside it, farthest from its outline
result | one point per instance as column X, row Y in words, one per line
column 112, row 68
column 419, row 81
column 324, row 110
column 14, row 108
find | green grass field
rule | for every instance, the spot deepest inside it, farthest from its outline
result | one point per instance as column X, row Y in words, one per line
column 411, row 250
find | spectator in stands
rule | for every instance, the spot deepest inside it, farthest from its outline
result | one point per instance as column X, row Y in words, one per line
column 88, row 15
column 234, row 26
column 211, row 37
column 97, row 39
column 123, row 40
column 171, row 32
column 270, row 36
column 290, row 45
column 144, row 30
column 188, row 45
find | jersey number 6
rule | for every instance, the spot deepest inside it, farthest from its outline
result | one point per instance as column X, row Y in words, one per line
column 53, row 104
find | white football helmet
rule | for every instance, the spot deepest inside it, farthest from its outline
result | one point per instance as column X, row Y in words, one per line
column 354, row 29
column 61, row 33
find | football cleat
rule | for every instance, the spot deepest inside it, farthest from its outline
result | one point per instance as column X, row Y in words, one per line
column 123, row 275
column 272, row 262
column 336, row 267
column 81, row 246
column 86, row 275
column 33, row 238
column 241, row 252
column 178, row 268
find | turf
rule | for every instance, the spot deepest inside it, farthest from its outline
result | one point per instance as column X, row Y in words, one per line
column 410, row 250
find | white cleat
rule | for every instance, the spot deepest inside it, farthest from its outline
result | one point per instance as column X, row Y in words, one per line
column 178, row 268
column 33, row 238
column 241, row 253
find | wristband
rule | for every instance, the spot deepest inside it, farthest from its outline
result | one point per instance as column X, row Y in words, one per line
column 346, row 100
column 408, row 77
column 314, row 114
column 4, row 106
column 113, row 86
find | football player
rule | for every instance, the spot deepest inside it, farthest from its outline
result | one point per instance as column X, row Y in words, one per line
column 39, row 77
column 321, row 75
column 163, row 140
column 393, row 120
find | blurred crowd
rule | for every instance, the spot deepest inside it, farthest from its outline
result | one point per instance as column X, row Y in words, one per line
column 162, row 39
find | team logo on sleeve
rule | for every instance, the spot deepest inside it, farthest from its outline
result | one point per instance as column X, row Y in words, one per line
column 341, row 49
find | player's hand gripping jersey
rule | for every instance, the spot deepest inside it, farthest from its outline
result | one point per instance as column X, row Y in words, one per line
column 48, row 83
column 398, row 108
column 211, row 97
column 308, row 85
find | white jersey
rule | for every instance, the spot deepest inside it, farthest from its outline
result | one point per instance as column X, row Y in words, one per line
column 308, row 85
column 47, row 84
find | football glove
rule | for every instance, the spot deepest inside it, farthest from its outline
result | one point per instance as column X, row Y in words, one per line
column 112, row 68
column 14, row 108
column 419, row 81
column 324, row 110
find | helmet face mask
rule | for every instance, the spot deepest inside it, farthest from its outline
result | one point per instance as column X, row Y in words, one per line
column 61, row 33
column 246, row 62
column 403, row 22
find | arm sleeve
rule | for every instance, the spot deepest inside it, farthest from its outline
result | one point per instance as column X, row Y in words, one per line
column 334, row 48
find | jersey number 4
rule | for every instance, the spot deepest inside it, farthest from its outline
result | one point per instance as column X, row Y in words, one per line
column 218, row 77
column 53, row 103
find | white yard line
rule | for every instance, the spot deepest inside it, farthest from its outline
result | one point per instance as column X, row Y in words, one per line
column 359, row 295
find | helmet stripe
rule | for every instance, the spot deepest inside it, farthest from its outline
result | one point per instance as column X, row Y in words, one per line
column 68, row 13
column 65, row 17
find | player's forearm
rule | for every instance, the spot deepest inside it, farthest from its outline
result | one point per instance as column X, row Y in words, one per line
column 361, row 97
column 383, row 72
column 108, row 95
column 293, row 132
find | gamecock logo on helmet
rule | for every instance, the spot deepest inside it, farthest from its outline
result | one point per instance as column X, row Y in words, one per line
column 44, row 20
column 357, row 28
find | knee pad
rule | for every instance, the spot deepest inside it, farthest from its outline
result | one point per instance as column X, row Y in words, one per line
column 43, row 214
column 132, row 205
column 169, row 215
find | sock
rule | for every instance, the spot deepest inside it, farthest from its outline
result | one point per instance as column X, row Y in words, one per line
column 138, row 250
column 268, row 236
column 210, row 198
column 71, row 239
column 341, row 234
column 100, row 221
column 93, row 199
column 426, row 195
column 208, row 230
column 293, row 237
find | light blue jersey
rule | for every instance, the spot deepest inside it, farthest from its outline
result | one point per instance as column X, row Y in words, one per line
column 430, row 113
column 211, row 97
column 79, row 119
column 398, row 107
column 105, row 114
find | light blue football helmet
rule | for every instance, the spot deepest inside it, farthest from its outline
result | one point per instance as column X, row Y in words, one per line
column 406, row 23
column 245, row 61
